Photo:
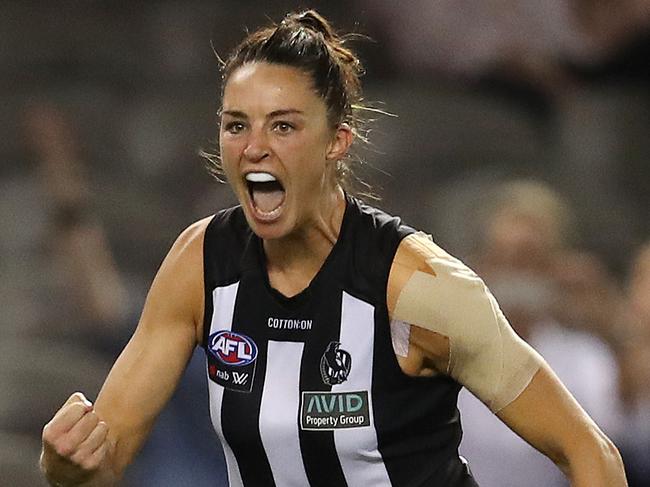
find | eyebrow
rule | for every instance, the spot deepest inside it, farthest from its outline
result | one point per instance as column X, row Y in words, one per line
column 273, row 114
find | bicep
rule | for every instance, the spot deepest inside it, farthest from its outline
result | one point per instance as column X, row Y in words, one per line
column 149, row 368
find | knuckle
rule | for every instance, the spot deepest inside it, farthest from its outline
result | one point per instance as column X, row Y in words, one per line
column 64, row 448
column 88, row 463
column 102, row 427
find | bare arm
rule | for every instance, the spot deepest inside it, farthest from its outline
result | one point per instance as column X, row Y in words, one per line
column 550, row 419
column 142, row 379
column 460, row 331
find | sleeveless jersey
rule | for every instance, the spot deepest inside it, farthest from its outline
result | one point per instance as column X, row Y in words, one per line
column 307, row 391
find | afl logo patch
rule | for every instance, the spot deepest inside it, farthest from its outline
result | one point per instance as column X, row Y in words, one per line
column 231, row 360
column 335, row 364
column 233, row 348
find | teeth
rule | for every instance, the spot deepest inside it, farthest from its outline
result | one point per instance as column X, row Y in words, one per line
column 260, row 177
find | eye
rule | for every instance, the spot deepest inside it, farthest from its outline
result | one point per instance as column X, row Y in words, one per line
column 234, row 127
column 283, row 127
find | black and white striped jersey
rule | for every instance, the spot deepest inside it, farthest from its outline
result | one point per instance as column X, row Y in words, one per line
column 307, row 391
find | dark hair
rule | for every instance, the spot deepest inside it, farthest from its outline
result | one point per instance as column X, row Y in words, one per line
column 308, row 42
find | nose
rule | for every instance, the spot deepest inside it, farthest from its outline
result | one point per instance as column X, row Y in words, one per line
column 257, row 148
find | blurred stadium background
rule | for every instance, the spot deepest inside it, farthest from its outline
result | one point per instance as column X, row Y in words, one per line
column 521, row 143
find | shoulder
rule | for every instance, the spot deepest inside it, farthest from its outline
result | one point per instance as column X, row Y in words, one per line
column 421, row 261
column 186, row 253
column 418, row 252
column 229, row 223
column 190, row 241
column 196, row 231
column 414, row 251
column 181, row 270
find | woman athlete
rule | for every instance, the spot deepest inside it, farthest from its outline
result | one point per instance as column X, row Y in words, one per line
column 336, row 338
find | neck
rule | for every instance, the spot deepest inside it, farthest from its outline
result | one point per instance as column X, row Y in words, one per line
column 294, row 260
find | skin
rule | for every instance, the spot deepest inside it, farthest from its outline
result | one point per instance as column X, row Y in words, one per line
column 274, row 122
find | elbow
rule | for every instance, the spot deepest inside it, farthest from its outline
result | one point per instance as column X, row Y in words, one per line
column 606, row 450
column 594, row 460
column 611, row 454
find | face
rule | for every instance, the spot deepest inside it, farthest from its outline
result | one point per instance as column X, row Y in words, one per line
column 519, row 241
column 278, row 149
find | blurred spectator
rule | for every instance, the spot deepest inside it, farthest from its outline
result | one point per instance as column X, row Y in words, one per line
column 527, row 229
column 64, row 276
column 634, row 357
column 82, row 320
column 589, row 296
column 526, row 42
column 89, row 278
column 638, row 292
column 609, row 24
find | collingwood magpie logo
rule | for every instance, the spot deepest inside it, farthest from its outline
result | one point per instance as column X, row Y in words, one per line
column 335, row 364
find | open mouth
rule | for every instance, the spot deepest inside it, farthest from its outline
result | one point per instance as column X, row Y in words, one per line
column 266, row 192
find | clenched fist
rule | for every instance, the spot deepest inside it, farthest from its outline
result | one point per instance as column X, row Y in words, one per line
column 75, row 443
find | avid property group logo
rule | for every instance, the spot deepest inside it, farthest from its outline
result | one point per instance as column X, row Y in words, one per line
column 332, row 410
column 231, row 360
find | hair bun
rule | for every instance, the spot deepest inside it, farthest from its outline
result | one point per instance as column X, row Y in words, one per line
column 314, row 21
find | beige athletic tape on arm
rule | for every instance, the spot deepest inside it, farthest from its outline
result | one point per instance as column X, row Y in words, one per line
column 486, row 355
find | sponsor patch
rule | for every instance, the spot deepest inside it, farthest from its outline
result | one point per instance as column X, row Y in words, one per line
column 231, row 360
column 334, row 410
column 289, row 324
column 335, row 364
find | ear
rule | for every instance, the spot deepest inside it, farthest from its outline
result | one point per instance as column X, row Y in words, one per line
column 341, row 142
